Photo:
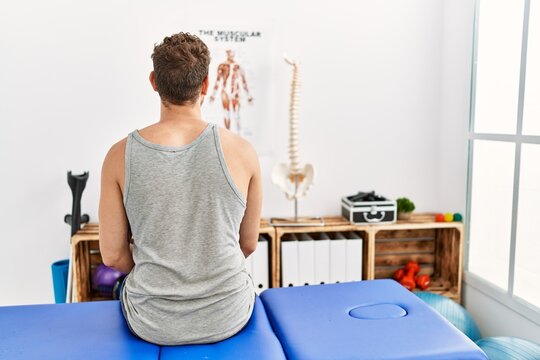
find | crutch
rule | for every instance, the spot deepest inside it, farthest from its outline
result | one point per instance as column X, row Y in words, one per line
column 77, row 183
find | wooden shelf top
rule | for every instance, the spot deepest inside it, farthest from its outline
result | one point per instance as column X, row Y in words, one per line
column 411, row 225
column 90, row 231
column 328, row 221
column 418, row 221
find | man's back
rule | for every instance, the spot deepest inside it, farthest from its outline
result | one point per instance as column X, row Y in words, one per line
column 189, row 283
column 240, row 159
column 239, row 156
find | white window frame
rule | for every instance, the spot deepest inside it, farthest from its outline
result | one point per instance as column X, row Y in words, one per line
column 505, row 297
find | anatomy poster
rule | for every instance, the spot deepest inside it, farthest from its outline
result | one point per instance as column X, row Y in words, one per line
column 239, row 96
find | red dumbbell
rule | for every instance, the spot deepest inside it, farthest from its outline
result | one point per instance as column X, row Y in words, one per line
column 423, row 281
column 399, row 274
column 411, row 269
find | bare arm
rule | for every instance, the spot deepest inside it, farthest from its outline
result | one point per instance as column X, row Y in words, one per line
column 249, row 228
column 114, row 231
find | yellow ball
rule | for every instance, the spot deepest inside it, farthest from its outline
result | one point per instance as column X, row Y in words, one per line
column 448, row 217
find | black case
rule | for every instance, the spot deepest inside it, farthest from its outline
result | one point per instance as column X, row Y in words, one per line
column 369, row 212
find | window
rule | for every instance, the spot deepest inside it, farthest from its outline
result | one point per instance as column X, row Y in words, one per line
column 504, row 145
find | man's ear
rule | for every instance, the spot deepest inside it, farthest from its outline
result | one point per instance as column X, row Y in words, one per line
column 153, row 80
column 205, row 84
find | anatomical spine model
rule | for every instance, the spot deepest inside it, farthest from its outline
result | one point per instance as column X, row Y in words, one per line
column 292, row 178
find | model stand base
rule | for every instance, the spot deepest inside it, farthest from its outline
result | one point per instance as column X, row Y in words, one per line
column 297, row 221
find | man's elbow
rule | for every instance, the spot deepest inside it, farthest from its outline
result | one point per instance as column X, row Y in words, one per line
column 249, row 249
column 115, row 262
column 110, row 261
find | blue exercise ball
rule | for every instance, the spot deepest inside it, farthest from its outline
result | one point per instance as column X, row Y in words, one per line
column 453, row 312
column 509, row 348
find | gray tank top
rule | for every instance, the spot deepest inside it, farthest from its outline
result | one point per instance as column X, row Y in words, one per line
column 189, row 284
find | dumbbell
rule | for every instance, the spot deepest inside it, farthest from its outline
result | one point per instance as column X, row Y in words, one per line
column 406, row 277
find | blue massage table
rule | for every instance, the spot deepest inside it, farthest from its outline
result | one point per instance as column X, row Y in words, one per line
column 255, row 341
column 91, row 330
column 376, row 319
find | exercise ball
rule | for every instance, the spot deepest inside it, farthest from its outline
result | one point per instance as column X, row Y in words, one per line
column 453, row 312
column 509, row 348
column 104, row 279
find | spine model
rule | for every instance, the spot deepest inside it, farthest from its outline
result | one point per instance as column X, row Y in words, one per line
column 293, row 178
column 294, row 109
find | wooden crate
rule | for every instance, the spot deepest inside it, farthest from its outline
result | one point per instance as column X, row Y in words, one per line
column 437, row 247
column 86, row 257
column 331, row 224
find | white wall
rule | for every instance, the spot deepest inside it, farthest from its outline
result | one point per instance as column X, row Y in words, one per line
column 455, row 93
column 74, row 80
column 493, row 318
column 385, row 106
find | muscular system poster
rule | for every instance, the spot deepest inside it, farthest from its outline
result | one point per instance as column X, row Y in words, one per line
column 239, row 93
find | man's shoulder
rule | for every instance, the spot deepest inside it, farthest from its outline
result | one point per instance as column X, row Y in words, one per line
column 115, row 156
column 118, row 149
column 236, row 145
column 228, row 138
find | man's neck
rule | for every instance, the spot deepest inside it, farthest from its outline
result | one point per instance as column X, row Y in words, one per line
column 180, row 113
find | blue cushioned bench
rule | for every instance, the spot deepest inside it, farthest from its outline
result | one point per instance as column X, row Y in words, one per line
column 255, row 341
column 97, row 330
column 368, row 320
column 363, row 320
column 92, row 330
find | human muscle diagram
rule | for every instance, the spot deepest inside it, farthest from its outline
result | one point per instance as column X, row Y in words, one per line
column 230, row 83
column 240, row 96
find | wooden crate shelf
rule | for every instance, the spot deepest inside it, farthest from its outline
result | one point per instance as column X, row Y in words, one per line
column 438, row 248
column 86, row 256
column 335, row 224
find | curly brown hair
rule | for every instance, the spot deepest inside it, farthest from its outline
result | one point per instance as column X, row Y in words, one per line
column 180, row 65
